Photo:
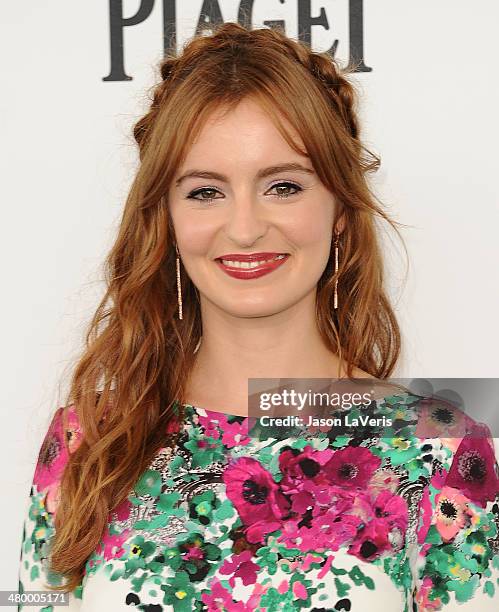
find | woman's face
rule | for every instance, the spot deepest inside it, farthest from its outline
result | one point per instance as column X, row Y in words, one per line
column 230, row 199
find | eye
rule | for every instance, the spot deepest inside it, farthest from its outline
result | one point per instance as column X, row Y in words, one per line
column 281, row 194
column 207, row 190
column 203, row 190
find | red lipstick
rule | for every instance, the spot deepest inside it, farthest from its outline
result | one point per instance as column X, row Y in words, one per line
column 269, row 263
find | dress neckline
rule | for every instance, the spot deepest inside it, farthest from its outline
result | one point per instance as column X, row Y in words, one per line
column 215, row 413
column 220, row 413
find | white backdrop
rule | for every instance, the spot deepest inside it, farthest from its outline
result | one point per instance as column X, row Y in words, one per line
column 428, row 109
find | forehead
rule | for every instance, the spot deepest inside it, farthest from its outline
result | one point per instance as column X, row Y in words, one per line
column 246, row 131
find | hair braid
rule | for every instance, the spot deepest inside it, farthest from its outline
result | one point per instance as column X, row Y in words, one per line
column 143, row 127
column 321, row 65
column 339, row 88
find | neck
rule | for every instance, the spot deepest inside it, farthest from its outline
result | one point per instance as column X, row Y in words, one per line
column 233, row 349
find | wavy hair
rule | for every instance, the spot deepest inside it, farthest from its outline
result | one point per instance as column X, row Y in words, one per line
column 131, row 376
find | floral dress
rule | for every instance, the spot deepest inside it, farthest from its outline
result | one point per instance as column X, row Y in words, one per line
column 312, row 521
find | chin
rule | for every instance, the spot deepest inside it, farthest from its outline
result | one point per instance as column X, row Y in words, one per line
column 251, row 310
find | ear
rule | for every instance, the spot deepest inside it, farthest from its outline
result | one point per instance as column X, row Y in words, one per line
column 340, row 224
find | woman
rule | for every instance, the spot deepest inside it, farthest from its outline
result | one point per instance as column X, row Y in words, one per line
column 248, row 249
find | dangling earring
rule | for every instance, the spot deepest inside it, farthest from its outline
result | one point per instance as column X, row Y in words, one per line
column 335, row 296
column 179, row 288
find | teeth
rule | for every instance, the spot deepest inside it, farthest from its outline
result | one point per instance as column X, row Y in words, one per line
column 249, row 264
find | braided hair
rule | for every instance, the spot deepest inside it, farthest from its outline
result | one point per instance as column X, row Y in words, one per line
column 234, row 44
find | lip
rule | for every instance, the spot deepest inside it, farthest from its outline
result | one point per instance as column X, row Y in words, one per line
column 249, row 256
column 248, row 274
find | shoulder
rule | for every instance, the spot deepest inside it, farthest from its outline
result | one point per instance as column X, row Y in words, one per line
column 457, row 529
column 62, row 438
column 461, row 449
column 471, row 452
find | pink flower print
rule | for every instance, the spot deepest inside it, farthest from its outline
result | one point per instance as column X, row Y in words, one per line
column 256, row 497
column 242, row 566
column 53, row 456
column 422, row 597
column 219, row 598
column 173, row 425
column 255, row 598
column 193, row 553
column 392, row 509
column 362, row 505
column 327, row 494
column 256, row 532
column 301, row 501
column 297, row 466
column 299, row 590
column 235, row 434
column 437, row 481
column 210, row 426
column 438, row 418
column 327, row 530
column 333, row 531
column 308, row 559
column 318, row 494
column 326, row 567
column 474, row 468
column 352, row 466
column 371, row 541
column 122, row 511
column 111, row 545
column 206, row 444
column 451, row 512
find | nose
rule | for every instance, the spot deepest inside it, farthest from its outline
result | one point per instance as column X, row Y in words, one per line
column 246, row 221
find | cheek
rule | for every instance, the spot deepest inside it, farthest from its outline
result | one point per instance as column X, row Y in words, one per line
column 312, row 228
column 195, row 231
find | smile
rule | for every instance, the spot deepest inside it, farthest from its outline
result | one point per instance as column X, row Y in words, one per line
column 251, row 269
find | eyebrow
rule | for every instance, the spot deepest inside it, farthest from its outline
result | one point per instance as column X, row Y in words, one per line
column 264, row 172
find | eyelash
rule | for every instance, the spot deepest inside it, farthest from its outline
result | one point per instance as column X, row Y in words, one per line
column 209, row 200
